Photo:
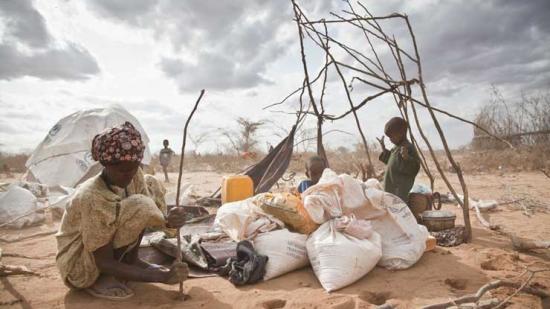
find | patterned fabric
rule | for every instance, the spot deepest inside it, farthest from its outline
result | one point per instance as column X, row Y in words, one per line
column 97, row 216
column 118, row 144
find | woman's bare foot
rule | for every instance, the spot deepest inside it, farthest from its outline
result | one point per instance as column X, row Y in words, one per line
column 108, row 287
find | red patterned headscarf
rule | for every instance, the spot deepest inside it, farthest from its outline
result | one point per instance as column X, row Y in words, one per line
column 118, row 144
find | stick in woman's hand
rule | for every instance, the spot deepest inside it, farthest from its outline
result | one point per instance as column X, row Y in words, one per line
column 182, row 295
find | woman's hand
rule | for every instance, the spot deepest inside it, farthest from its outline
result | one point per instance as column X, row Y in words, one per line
column 178, row 272
column 176, row 217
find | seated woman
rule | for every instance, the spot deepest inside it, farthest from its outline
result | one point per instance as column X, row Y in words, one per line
column 102, row 227
column 314, row 170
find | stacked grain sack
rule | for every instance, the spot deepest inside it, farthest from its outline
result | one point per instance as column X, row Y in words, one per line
column 396, row 236
column 343, row 227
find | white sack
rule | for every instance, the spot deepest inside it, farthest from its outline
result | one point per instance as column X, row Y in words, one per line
column 354, row 200
column 323, row 201
column 243, row 220
column 360, row 229
column 403, row 240
column 286, row 251
column 335, row 196
column 374, row 184
column 17, row 201
column 338, row 259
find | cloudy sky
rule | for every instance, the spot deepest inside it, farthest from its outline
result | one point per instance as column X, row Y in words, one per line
column 154, row 56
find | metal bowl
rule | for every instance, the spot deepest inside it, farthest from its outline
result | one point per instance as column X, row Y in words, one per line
column 438, row 220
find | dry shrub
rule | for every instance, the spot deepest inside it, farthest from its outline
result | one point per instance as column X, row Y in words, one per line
column 341, row 160
column 507, row 120
column 522, row 158
column 219, row 162
column 14, row 162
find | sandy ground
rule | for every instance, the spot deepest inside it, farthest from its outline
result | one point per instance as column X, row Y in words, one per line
column 440, row 275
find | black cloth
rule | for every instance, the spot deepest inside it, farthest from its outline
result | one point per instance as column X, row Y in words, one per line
column 449, row 238
column 269, row 170
column 247, row 267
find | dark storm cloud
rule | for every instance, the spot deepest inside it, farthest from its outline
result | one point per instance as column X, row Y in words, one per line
column 131, row 11
column 40, row 56
column 23, row 22
column 231, row 43
column 214, row 71
column 71, row 63
column 499, row 42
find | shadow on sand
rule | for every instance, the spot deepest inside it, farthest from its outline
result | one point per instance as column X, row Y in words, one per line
column 146, row 296
column 435, row 270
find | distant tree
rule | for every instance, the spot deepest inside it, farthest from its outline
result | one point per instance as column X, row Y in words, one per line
column 248, row 130
column 342, row 149
column 245, row 139
column 198, row 139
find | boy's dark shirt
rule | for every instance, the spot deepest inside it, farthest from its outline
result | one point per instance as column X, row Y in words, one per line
column 400, row 173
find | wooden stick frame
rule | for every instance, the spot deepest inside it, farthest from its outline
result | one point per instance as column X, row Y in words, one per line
column 407, row 88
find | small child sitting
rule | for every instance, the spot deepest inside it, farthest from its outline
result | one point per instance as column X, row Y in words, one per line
column 314, row 170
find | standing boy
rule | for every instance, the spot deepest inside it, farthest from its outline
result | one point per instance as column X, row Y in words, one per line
column 165, row 157
column 402, row 161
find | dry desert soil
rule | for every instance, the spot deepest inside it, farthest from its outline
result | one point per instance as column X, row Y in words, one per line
column 440, row 275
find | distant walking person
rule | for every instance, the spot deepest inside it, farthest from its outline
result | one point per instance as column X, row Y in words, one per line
column 165, row 157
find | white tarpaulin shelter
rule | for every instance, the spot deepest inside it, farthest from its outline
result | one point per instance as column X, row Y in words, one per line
column 64, row 157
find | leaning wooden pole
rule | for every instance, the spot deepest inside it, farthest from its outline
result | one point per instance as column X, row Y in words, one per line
column 179, row 257
column 318, row 111
column 455, row 165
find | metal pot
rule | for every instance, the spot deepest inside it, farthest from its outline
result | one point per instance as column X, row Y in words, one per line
column 420, row 202
column 438, row 220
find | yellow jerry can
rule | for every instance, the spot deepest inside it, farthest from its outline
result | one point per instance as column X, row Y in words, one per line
column 236, row 188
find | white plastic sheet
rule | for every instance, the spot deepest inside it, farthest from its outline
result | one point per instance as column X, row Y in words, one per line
column 64, row 158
